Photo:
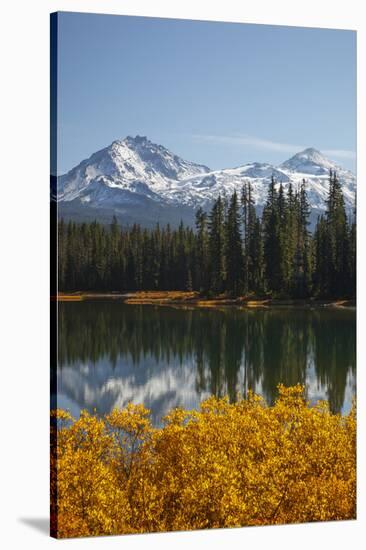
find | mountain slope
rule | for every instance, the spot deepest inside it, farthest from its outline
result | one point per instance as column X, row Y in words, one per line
column 143, row 182
column 134, row 164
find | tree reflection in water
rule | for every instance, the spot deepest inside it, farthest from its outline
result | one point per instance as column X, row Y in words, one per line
column 111, row 353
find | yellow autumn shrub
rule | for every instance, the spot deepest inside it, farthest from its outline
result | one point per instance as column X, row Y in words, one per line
column 226, row 465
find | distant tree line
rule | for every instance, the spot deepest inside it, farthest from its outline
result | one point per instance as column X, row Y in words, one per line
column 232, row 250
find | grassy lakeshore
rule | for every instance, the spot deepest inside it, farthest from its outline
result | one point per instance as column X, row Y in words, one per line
column 177, row 297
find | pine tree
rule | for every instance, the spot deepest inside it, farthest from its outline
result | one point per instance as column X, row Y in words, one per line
column 216, row 242
column 61, row 254
column 352, row 257
column 336, row 236
column 245, row 209
column 256, row 252
column 271, row 239
column 283, row 242
column 252, row 249
column 201, row 250
column 302, row 258
column 291, row 225
column 233, row 248
column 321, row 265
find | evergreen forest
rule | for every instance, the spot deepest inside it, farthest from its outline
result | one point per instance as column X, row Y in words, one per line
column 232, row 250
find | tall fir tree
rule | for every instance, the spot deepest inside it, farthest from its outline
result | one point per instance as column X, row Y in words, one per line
column 336, row 236
column 233, row 248
column 201, row 260
column 216, row 243
column 271, row 239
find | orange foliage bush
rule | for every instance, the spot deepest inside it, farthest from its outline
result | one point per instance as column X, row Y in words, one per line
column 225, row 465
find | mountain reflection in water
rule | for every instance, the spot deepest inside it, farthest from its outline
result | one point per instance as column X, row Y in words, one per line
column 110, row 353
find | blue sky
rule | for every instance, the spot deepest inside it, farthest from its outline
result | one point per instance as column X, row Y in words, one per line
column 221, row 94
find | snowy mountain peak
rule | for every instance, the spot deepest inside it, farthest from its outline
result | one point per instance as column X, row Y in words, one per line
column 309, row 161
column 311, row 153
column 127, row 164
column 134, row 176
column 137, row 140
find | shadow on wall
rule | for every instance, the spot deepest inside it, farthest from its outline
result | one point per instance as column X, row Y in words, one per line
column 39, row 524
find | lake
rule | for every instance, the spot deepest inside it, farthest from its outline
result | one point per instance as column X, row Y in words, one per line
column 110, row 353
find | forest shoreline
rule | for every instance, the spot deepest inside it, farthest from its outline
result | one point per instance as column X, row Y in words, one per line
column 194, row 299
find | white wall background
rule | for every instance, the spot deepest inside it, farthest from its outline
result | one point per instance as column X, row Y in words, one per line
column 24, row 266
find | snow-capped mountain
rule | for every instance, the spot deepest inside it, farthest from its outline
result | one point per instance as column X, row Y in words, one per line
column 309, row 161
column 134, row 164
column 140, row 181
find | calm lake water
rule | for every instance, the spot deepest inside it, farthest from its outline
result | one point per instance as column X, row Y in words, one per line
column 110, row 353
